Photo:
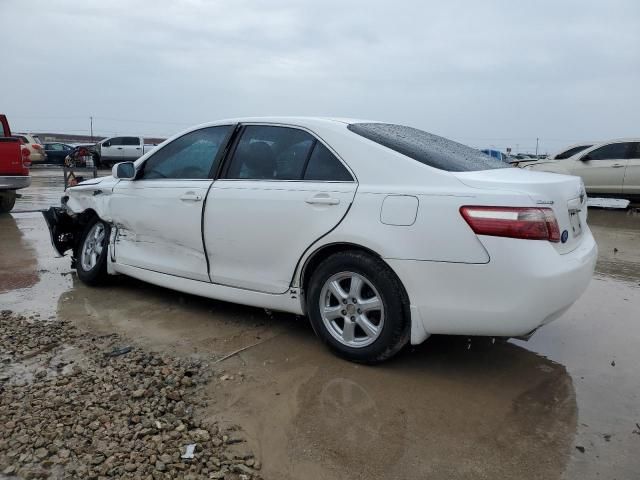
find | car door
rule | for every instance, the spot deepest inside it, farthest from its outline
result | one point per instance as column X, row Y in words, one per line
column 602, row 169
column 158, row 216
column 631, row 185
column 280, row 190
column 131, row 148
column 112, row 150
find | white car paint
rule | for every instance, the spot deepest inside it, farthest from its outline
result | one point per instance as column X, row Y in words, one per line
column 254, row 239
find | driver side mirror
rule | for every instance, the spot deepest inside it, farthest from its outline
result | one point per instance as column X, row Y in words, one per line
column 586, row 158
column 124, row 171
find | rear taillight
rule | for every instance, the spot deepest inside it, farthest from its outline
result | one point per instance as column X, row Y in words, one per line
column 513, row 222
column 26, row 160
column 37, row 146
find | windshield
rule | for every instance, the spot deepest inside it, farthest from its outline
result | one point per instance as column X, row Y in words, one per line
column 432, row 150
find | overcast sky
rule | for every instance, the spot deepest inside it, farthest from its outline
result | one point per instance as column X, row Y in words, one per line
column 490, row 73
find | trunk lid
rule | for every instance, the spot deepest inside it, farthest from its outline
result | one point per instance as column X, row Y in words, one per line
column 564, row 194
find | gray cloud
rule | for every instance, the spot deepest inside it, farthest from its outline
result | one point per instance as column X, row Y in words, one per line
column 486, row 73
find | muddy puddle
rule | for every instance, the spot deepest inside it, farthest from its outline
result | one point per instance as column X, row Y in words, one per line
column 562, row 405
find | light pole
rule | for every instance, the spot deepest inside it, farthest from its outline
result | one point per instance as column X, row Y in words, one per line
column 537, row 139
column 91, row 123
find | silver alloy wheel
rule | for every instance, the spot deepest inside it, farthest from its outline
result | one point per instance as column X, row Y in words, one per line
column 351, row 309
column 92, row 247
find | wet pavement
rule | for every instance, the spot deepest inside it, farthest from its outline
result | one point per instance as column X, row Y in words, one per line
column 562, row 405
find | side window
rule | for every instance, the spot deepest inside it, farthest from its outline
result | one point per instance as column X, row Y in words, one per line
column 634, row 152
column 612, row 151
column 270, row 153
column 571, row 152
column 131, row 141
column 190, row 156
column 116, row 141
column 324, row 166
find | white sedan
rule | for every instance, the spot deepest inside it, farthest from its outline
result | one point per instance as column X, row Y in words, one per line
column 382, row 234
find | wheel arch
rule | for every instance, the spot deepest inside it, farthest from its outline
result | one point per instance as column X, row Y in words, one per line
column 315, row 258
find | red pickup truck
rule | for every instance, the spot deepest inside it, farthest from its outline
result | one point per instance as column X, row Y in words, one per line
column 14, row 166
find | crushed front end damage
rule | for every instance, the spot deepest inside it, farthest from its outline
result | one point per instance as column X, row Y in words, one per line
column 64, row 229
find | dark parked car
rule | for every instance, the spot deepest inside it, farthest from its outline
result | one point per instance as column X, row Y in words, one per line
column 56, row 152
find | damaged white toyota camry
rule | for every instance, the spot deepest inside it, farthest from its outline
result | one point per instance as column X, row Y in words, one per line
column 382, row 234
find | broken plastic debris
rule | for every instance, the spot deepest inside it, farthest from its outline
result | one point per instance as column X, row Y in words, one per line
column 189, row 451
column 118, row 351
column 608, row 202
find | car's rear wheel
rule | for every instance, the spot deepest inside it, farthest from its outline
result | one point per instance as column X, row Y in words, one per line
column 7, row 201
column 357, row 307
column 91, row 253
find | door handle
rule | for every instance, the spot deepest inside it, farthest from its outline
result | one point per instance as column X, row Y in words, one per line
column 137, row 148
column 617, row 165
column 321, row 199
column 190, row 197
column 119, row 148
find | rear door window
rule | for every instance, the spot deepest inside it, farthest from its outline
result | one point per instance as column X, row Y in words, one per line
column 426, row 148
column 270, row 153
column 131, row 141
column 613, row 151
column 324, row 166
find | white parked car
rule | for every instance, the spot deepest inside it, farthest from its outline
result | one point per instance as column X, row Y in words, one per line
column 609, row 168
column 382, row 234
column 121, row 149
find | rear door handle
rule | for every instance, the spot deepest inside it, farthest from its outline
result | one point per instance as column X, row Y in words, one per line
column 190, row 197
column 617, row 165
column 119, row 148
column 322, row 199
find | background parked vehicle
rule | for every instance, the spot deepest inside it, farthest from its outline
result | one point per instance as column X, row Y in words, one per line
column 56, row 152
column 36, row 150
column 14, row 166
column 497, row 154
column 121, row 149
column 609, row 168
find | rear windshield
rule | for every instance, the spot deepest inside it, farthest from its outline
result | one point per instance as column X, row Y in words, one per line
column 432, row 150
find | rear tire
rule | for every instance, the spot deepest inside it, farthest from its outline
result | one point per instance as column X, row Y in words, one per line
column 358, row 307
column 7, row 201
column 91, row 253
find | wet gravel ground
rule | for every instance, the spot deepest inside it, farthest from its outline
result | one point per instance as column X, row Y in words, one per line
column 77, row 405
column 563, row 405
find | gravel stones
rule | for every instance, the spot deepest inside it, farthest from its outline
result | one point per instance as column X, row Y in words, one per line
column 70, row 411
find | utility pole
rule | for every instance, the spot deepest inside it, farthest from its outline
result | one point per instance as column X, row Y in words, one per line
column 537, row 140
column 91, row 122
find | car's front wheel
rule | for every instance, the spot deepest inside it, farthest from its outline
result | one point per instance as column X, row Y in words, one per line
column 357, row 306
column 91, row 253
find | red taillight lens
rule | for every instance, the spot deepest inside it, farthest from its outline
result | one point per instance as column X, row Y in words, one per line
column 26, row 161
column 37, row 146
column 513, row 222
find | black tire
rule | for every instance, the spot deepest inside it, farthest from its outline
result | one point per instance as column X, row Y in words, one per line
column 395, row 331
column 97, row 274
column 7, row 201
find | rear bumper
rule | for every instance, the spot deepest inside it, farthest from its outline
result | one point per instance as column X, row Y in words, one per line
column 14, row 182
column 524, row 286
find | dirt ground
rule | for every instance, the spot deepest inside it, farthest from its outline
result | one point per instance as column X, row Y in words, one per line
column 563, row 405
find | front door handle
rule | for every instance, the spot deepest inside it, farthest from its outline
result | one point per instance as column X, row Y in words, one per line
column 617, row 165
column 322, row 199
column 190, row 197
